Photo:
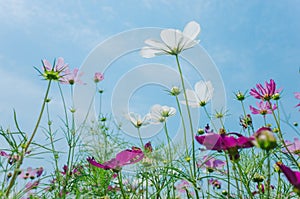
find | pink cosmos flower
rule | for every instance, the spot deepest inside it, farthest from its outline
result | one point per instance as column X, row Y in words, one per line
column 297, row 96
column 59, row 66
column 126, row 157
column 182, row 186
column 263, row 108
column 293, row 147
column 98, row 77
column 31, row 173
column 210, row 163
column 70, row 77
column 11, row 158
column 53, row 72
column 292, row 176
column 264, row 93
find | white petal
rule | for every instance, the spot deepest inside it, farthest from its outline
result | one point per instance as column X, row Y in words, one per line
column 200, row 89
column 149, row 52
column 191, row 30
column 172, row 111
column 156, row 44
column 171, row 38
column 189, row 43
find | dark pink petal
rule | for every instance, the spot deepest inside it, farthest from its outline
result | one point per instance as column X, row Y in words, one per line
column 4, row 154
column 211, row 141
column 245, row 142
column 254, row 110
column 230, row 142
column 96, row 164
column 292, row 176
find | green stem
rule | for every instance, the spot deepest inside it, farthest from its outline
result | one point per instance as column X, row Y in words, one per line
column 141, row 140
column 210, row 119
column 228, row 175
column 121, row 185
column 24, row 151
column 269, row 174
column 169, row 142
column 244, row 180
column 51, row 137
column 281, row 136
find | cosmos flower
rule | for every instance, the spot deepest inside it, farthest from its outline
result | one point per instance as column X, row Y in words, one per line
column 297, row 96
column 71, row 77
column 54, row 72
column 293, row 147
column 31, row 173
column 98, row 77
column 265, row 93
column 126, row 157
column 137, row 120
column 148, row 147
column 160, row 113
column 292, row 176
column 219, row 142
column 263, row 108
column 215, row 183
column 225, row 142
column 173, row 41
column 201, row 95
column 210, row 163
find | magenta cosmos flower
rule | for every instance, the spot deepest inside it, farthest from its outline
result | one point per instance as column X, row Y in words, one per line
column 264, row 93
column 292, row 176
column 126, row 157
column 263, row 108
column 225, row 142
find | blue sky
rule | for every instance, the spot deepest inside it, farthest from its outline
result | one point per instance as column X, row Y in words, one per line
column 249, row 41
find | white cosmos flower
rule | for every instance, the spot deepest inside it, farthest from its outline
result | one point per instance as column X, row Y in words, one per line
column 173, row 41
column 137, row 120
column 160, row 113
column 201, row 95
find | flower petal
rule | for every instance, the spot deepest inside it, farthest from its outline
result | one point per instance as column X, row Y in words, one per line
column 149, row 52
column 191, row 30
column 171, row 38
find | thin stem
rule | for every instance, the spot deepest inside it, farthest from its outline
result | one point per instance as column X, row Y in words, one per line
column 24, row 151
column 281, row 136
column 228, row 175
column 244, row 180
column 169, row 142
column 121, row 185
column 269, row 174
column 141, row 140
column 209, row 117
column 190, row 120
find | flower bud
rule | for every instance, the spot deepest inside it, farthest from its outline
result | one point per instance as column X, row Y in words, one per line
column 276, row 96
column 175, row 91
column 240, row 96
column 265, row 138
